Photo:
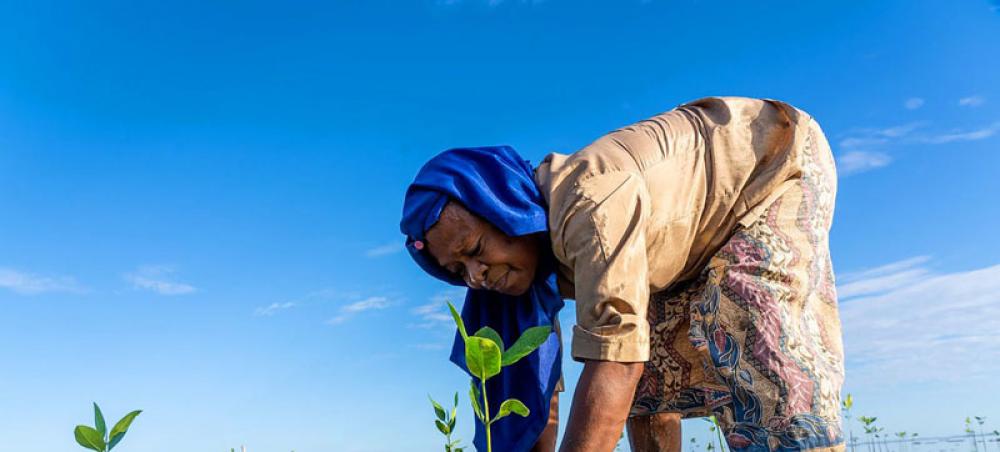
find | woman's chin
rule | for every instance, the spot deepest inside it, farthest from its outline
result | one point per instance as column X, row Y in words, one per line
column 518, row 289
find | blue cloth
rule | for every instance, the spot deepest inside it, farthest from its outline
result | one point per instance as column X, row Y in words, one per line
column 498, row 185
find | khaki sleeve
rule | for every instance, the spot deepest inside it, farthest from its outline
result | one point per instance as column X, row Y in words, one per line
column 604, row 240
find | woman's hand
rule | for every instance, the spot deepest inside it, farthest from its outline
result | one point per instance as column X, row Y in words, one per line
column 601, row 405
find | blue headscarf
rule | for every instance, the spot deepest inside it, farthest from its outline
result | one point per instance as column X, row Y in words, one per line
column 498, row 185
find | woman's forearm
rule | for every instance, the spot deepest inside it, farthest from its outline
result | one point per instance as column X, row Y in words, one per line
column 601, row 405
column 547, row 441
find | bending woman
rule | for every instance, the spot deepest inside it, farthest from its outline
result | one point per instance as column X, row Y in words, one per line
column 695, row 244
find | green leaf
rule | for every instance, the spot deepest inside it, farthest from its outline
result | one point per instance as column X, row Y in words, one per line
column 99, row 421
column 482, row 356
column 438, row 410
column 512, row 406
column 474, row 396
column 456, row 401
column 848, row 402
column 88, row 437
column 531, row 339
column 118, row 431
column 458, row 321
column 444, row 428
column 491, row 334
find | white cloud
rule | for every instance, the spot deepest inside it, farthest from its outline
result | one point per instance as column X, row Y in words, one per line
column 273, row 308
column 865, row 149
column 884, row 269
column 970, row 135
column 913, row 103
column 385, row 249
column 900, row 131
column 909, row 324
column 856, row 142
column 435, row 314
column 971, row 101
column 870, row 137
column 861, row 150
column 859, row 161
column 157, row 278
column 366, row 305
column 880, row 279
column 352, row 309
column 31, row 284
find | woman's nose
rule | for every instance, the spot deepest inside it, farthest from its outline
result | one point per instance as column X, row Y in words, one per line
column 475, row 274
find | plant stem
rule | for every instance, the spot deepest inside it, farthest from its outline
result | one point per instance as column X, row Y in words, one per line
column 718, row 429
column 486, row 416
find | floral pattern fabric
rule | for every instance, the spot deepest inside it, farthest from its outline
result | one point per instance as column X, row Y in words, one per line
column 756, row 339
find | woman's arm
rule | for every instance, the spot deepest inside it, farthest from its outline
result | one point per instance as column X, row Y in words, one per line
column 547, row 441
column 601, row 405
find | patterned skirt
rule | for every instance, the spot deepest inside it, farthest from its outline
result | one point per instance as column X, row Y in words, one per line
column 756, row 339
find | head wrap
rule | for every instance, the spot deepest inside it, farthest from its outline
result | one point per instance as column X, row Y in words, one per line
column 498, row 185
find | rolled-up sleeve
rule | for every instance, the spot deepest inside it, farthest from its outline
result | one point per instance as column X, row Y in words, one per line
column 604, row 240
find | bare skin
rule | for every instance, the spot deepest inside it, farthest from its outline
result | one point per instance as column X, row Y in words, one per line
column 600, row 406
column 547, row 441
column 655, row 433
column 480, row 254
column 485, row 258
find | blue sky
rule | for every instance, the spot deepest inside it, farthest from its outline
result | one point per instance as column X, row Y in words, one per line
column 200, row 203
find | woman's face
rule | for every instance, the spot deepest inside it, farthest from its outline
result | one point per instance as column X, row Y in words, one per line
column 482, row 255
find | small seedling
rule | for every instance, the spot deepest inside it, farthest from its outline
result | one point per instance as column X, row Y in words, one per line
column 870, row 429
column 484, row 358
column 982, row 436
column 972, row 432
column 446, row 424
column 902, row 440
column 846, row 406
column 98, row 437
column 717, row 429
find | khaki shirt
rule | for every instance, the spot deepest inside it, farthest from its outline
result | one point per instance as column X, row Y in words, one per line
column 648, row 205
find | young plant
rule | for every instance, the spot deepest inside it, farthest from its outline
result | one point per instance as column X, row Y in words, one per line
column 870, row 430
column 982, row 436
column 446, row 424
column 484, row 358
column 969, row 430
column 846, row 406
column 717, row 429
column 98, row 437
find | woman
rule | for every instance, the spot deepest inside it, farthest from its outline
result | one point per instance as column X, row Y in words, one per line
column 695, row 244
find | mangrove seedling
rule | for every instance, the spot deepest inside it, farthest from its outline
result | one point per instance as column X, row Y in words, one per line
column 98, row 437
column 870, row 430
column 982, row 436
column 845, row 406
column 969, row 430
column 484, row 357
column 445, row 423
column 717, row 429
